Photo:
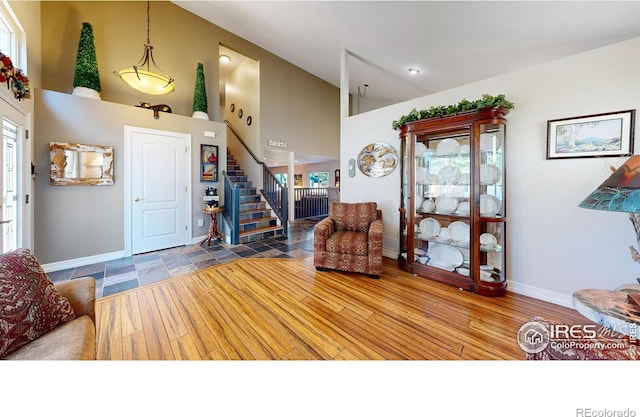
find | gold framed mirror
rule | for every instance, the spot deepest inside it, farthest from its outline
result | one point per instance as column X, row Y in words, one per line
column 78, row 164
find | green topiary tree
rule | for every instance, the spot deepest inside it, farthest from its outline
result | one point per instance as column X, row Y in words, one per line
column 86, row 79
column 200, row 95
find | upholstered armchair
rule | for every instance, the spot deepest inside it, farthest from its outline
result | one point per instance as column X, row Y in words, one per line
column 350, row 239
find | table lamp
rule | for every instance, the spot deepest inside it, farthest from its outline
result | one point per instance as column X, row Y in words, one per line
column 620, row 192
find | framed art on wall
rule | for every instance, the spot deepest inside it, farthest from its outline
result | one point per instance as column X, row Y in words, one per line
column 598, row 135
column 209, row 163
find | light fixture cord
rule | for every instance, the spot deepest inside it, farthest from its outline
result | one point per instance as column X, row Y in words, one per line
column 148, row 22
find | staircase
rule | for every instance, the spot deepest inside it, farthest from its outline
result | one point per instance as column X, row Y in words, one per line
column 256, row 220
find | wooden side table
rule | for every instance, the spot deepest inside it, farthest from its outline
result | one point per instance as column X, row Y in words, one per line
column 214, row 233
column 609, row 309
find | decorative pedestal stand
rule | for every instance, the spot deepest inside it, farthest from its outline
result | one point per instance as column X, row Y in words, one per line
column 214, row 233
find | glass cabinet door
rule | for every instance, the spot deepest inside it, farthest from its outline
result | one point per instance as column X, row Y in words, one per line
column 492, row 204
column 443, row 207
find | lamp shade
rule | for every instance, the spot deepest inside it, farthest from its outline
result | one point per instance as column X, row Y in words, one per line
column 146, row 81
column 620, row 192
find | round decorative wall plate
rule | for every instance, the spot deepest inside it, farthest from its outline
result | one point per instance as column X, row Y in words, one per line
column 377, row 160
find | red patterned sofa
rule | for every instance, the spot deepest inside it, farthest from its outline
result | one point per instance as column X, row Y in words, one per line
column 42, row 320
column 350, row 239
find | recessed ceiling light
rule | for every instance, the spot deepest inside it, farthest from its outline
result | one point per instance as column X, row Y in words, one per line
column 224, row 59
column 414, row 71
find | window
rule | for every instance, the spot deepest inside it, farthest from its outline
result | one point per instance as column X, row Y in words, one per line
column 318, row 179
column 12, row 37
column 282, row 178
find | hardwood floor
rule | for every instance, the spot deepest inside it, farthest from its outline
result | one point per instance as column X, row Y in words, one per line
column 283, row 309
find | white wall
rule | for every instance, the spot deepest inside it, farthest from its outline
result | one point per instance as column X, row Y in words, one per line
column 553, row 247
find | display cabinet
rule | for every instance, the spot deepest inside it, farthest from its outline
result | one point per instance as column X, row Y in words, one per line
column 452, row 211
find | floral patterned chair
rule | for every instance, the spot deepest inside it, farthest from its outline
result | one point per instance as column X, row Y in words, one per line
column 350, row 239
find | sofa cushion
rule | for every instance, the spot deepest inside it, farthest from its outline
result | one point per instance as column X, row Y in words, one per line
column 353, row 217
column 30, row 305
column 354, row 243
column 74, row 340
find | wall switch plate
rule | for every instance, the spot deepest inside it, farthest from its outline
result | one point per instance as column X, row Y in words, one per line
column 200, row 222
column 352, row 167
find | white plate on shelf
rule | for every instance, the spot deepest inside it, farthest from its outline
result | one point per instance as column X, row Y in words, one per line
column 421, row 174
column 448, row 147
column 428, row 205
column 429, row 228
column 489, row 142
column 431, row 179
column 449, row 175
column 489, row 205
column 488, row 240
column 463, row 208
column 464, row 150
column 445, row 254
column 421, row 148
column 465, row 178
column 459, row 232
column 419, row 201
column 440, row 264
column 443, row 236
column 489, row 174
column 446, row 203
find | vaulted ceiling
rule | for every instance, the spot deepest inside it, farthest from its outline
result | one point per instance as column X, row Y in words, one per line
column 452, row 43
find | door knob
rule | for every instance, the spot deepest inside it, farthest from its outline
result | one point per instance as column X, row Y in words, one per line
column 138, row 199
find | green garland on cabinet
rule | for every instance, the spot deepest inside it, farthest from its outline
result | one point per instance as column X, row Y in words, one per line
column 486, row 101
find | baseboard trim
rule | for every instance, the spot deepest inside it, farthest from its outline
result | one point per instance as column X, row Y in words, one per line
column 515, row 287
column 540, row 294
column 87, row 260
column 389, row 253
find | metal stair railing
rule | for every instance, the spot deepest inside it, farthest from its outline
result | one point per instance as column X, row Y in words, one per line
column 231, row 208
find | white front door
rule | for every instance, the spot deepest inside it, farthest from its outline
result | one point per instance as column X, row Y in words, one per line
column 159, row 193
column 15, row 184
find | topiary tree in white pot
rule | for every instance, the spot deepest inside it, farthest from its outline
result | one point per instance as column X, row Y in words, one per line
column 200, row 95
column 86, row 79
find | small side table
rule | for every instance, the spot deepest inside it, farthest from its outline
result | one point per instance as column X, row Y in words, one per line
column 609, row 309
column 214, row 233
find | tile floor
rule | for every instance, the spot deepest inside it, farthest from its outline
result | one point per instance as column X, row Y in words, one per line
column 135, row 271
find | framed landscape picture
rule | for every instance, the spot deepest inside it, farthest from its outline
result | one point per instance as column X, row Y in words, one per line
column 209, row 163
column 598, row 135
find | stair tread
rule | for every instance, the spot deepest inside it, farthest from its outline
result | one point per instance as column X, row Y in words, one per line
column 261, row 219
column 260, row 230
column 253, row 211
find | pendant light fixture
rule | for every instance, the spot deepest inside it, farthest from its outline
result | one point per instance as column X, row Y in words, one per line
column 141, row 77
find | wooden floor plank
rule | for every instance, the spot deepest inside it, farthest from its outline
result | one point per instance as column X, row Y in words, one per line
column 155, row 333
column 285, row 309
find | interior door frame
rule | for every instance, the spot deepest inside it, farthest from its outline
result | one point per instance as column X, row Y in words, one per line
column 24, row 159
column 128, row 198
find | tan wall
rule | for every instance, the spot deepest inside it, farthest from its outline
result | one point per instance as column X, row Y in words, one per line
column 295, row 105
column 81, row 221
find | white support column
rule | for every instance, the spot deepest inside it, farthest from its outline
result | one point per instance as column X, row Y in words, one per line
column 290, row 183
column 344, row 83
